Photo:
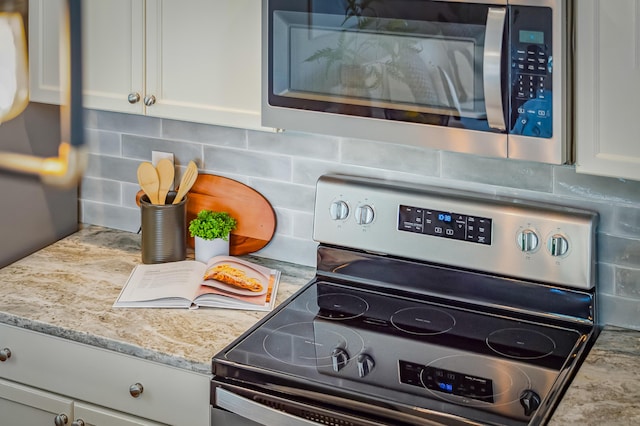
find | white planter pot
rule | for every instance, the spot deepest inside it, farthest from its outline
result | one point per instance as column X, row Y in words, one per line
column 206, row 249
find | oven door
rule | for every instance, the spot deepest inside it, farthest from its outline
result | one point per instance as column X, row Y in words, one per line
column 424, row 72
column 239, row 404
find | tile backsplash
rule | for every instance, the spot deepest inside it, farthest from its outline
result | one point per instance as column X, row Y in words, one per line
column 284, row 168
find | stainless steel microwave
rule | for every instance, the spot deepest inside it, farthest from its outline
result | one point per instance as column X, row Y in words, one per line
column 490, row 78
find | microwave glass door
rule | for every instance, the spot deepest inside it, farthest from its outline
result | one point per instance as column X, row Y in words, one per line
column 407, row 60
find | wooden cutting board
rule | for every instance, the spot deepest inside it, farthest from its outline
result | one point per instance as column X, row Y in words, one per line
column 255, row 215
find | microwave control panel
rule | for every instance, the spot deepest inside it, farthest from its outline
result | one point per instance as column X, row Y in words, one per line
column 531, row 71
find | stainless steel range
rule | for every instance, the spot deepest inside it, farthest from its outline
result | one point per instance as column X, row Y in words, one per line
column 429, row 306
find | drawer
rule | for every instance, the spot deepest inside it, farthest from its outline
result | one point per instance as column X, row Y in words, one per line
column 169, row 395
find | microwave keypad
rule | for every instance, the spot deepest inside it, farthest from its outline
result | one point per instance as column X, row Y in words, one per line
column 531, row 74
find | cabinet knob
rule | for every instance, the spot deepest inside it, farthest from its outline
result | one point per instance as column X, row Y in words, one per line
column 5, row 354
column 78, row 422
column 136, row 390
column 149, row 100
column 61, row 420
column 133, row 97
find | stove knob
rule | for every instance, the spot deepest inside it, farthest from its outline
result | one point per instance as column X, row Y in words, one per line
column 527, row 240
column 339, row 358
column 364, row 214
column 530, row 401
column 339, row 210
column 365, row 365
column 558, row 245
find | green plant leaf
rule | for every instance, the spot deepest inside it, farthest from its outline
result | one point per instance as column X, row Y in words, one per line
column 210, row 225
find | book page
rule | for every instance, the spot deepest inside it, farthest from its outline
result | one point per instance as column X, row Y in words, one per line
column 213, row 292
column 163, row 280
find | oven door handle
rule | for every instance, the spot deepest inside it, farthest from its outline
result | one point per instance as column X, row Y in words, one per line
column 492, row 65
column 259, row 413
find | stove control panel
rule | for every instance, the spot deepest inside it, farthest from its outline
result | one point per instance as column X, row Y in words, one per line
column 445, row 224
column 446, row 381
column 496, row 234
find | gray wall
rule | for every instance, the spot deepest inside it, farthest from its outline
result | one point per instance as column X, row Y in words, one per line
column 284, row 168
column 33, row 215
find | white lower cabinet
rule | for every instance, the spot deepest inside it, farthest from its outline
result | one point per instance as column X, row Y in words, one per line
column 47, row 377
column 25, row 406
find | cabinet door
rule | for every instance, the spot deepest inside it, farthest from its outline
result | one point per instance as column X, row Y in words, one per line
column 203, row 60
column 25, row 406
column 113, row 55
column 102, row 377
column 607, row 76
column 44, row 61
column 92, row 415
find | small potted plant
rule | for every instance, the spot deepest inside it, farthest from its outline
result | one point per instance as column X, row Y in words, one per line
column 211, row 232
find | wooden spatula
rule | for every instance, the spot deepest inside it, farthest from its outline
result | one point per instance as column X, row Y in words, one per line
column 149, row 181
column 188, row 178
column 165, row 173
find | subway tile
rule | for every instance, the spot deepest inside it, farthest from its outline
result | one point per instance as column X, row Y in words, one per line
column 204, row 133
column 619, row 311
column 294, row 250
column 606, row 278
column 114, row 168
column 619, row 251
column 628, row 282
column 303, row 225
column 110, row 216
column 247, row 163
column 140, row 147
column 296, row 144
column 286, row 195
column 91, row 118
column 307, row 171
column 128, row 123
column 625, row 219
column 388, row 156
column 284, row 221
column 611, row 190
column 129, row 192
column 100, row 190
column 496, row 171
column 104, row 143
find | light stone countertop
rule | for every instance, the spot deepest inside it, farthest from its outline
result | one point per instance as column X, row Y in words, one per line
column 68, row 288
column 606, row 390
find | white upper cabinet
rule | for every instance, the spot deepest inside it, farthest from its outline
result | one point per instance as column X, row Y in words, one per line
column 607, row 87
column 203, row 60
column 192, row 60
column 44, row 61
column 113, row 54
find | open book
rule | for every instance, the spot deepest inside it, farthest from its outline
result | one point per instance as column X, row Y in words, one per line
column 223, row 282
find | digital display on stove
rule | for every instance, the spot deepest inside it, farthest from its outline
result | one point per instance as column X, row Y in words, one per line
column 451, row 225
column 446, row 381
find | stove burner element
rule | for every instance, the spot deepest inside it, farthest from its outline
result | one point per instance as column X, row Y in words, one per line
column 447, row 378
column 521, row 343
column 423, row 321
column 341, row 306
column 292, row 344
column 310, row 344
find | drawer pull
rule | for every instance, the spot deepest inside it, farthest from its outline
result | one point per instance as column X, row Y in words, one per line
column 61, row 420
column 78, row 422
column 5, row 354
column 136, row 390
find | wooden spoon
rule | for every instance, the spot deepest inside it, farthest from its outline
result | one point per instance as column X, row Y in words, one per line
column 149, row 181
column 166, row 173
column 188, row 178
